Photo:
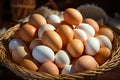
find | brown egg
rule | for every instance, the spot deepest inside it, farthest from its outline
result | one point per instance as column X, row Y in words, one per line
column 107, row 32
column 27, row 32
column 30, row 64
column 103, row 54
column 86, row 62
column 37, row 20
column 65, row 32
column 50, row 68
column 35, row 42
column 92, row 22
column 72, row 16
column 19, row 53
column 75, row 48
column 52, row 39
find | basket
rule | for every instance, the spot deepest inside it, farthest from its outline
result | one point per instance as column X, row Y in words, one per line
column 5, row 60
column 22, row 8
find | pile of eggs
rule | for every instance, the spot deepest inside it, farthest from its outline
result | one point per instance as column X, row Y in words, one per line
column 64, row 45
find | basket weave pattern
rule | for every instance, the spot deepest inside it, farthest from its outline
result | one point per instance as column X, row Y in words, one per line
column 5, row 59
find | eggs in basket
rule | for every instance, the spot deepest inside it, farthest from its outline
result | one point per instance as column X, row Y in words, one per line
column 66, row 45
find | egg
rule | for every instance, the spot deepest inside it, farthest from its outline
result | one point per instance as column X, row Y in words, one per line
column 62, row 58
column 13, row 43
column 92, row 22
column 37, row 20
column 53, row 19
column 80, row 34
column 50, row 68
column 72, row 16
column 35, row 42
column 92, row 46
column 87, row 28
column 52, row 39
column 66, row 33
column 68, row 69
column 75, row 48
column 103, row 55
column 44, row 28
column 86, row 62
column 30, row 64
column 43, row 54
column 19, row 53
column 27, row 32
column 107, row 32
column 104, row 41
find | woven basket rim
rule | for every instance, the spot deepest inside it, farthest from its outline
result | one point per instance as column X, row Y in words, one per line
column 27, row 74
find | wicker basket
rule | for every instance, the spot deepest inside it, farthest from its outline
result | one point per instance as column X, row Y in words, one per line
column 22, row 8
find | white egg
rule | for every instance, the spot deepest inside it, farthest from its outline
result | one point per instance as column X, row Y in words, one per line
column 92, row 46
column 68, row 69
column 53, row 19
column 80, row 34
column 87, row 28
column 44, row 28
column 14, row 43
column 62, row 59
column 43, row 54
column 104, row 41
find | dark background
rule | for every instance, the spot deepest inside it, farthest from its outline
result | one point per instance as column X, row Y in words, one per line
column 110, row 6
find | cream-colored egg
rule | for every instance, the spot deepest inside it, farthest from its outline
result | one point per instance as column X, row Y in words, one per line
column 86, row 62
column 62, row 59
column 68, row 69
column 75, row 48
column 104, row 41
column 19, row 53
column 52, row 39
column 80, row 34
column 87, row 28
column 44, row 28
column 35, row 42
column 13, row 43
column 43, row 54
column 53, row 19
column 92, row 46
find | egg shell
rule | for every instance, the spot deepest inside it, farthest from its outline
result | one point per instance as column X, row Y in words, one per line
column 19, row 53
column 107, row 32
column 68, row 69
column 75, row 48
column 52, row 39
column 53, row 19
column 92, row 22
column 30, row 64
column 13, row 43
column 72, row 16
column 103, row 55
column 86, row 62
column 87, row 28
column 44, row 28
column 66, row 33
column 62, row 59
column 50, row 68
column 37, row 20
column 27, row 32
column 80, row 34
column 43, row 54
column 35, row 42
column 104, row 41
column 92, row 46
